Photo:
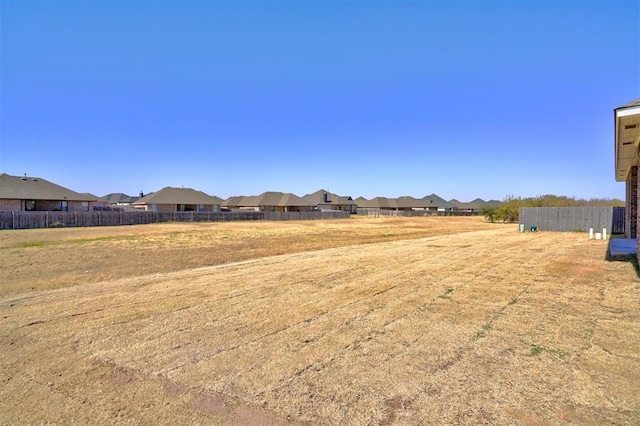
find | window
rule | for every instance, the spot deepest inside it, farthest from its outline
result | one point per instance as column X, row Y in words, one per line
column 64, row 206
column 29, row 205
column 85, row 206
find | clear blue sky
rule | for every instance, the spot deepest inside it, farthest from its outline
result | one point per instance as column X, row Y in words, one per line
column 363, row 98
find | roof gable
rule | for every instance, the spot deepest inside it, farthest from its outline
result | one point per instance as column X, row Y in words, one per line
column 435, row 201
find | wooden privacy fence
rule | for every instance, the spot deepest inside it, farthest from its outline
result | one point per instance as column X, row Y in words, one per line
column 573, row 218
column 413, row 213
column 26, row 220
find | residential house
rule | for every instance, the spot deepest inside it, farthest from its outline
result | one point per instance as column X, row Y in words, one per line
column 325, row 200
column 24, row 193
column 627, row 154
column 274, row 202
column 171, row 199
column 435, row 203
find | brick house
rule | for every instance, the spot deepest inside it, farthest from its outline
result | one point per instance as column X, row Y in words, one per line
column 627, row 143
column 24, row 193
column 171, row 199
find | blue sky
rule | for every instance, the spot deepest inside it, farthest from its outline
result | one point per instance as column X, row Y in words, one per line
column 363, row 98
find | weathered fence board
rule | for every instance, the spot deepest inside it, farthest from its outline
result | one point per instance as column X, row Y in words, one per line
column 619, row 220
column 573, row 218
column 412, row 213
column 26, row 220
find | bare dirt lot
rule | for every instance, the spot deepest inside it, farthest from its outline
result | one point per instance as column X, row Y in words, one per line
column 363, row 321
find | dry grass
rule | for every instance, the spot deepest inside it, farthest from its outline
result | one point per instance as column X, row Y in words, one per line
column 54, row 258
column 435, row 320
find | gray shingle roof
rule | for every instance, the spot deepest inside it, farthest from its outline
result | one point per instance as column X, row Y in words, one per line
column 404, row 202
column 170, row 195
column 100, row 199
column 318, row 197
column 233, row 201
column 408, row 202
column 119, row 197
column 279, row 199
column 435, row 201
column 35, row 188
column 477, row 204
column 377, row 203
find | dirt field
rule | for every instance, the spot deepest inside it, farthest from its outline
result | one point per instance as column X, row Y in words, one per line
column 364, row 321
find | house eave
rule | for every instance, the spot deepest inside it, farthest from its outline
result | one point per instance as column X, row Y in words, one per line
column 627, row 140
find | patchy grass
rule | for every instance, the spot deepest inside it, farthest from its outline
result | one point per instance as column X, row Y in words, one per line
column 537, row 350
column 447, row 293
column 346, row 327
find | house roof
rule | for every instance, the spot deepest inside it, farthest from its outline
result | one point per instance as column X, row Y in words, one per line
column 404, row 202
column 100, row 199
column 435, row 201
column 119, row 197
column 233, row 201
column 170, row 195
column 279, row 199
column 477, row 204
column 377, row 203
column 408, row 202
column 318, row 198
column 635, row 102
column 626, row 138
column 35, row 188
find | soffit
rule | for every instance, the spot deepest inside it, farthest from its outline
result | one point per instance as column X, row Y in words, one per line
column 627, row 141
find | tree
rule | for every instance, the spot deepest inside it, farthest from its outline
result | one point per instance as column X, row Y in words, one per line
column 490, row 213
column 509, row 210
